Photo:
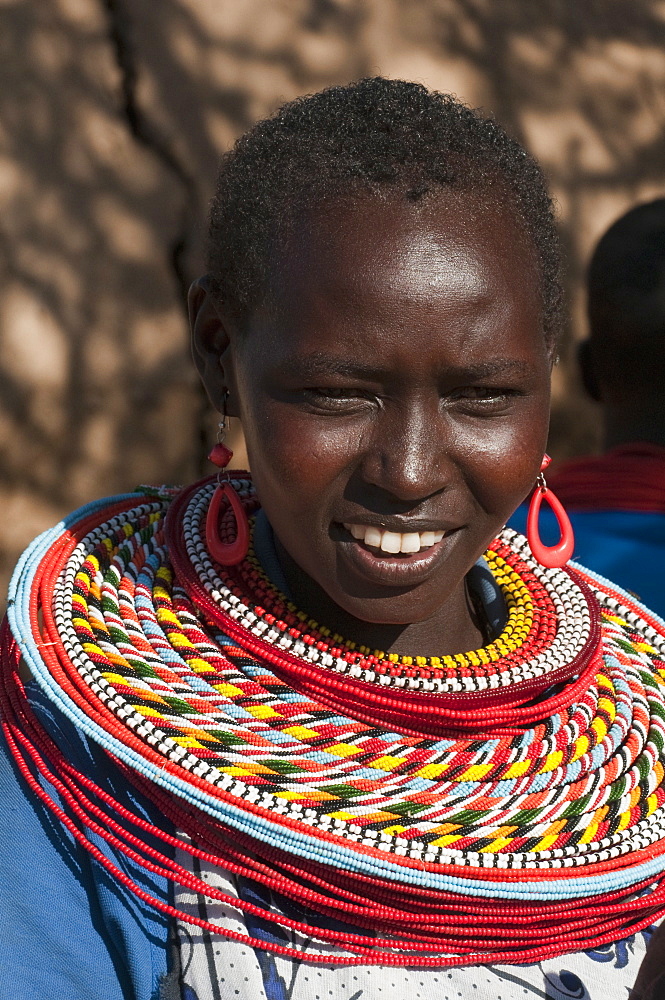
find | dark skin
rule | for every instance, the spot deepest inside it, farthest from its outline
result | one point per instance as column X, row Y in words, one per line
column 398, row 378
column 627, row 424
column 631, row 411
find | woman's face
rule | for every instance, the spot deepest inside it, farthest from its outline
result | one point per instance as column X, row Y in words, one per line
column 395, row 396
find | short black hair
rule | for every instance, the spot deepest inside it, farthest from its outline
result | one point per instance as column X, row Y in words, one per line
column 372, row 136
column 626, row 300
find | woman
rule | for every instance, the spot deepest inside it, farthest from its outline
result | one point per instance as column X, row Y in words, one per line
column 260, row 760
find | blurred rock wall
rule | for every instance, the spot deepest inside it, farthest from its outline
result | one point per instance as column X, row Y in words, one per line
column 112, row 116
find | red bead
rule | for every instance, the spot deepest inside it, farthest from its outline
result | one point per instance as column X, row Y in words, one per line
column 220, row 455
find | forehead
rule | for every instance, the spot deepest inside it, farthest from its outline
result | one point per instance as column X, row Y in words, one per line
column 390, row 267
column 418, row 241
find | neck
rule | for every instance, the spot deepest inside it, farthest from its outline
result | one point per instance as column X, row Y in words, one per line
column 625, row 426
column 455, row 627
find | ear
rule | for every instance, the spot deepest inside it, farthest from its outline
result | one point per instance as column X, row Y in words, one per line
column 588, row 371
column 211, row 346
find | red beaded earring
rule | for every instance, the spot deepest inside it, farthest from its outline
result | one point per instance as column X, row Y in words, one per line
column 226, row 553
column 552, row 556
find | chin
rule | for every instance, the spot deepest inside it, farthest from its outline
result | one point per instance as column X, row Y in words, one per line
column 382, row 611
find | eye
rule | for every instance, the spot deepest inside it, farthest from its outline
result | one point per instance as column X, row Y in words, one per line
column 482, row 392
column 334, row 393
column 483, row 399
column 333, row 398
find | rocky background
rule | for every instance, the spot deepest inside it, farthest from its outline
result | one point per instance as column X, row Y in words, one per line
column 112, row 116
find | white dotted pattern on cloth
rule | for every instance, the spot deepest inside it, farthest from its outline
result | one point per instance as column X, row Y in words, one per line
column 219, row 969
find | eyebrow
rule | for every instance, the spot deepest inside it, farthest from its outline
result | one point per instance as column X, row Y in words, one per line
column 317, row 365
column 497, row 366
column 320, row 365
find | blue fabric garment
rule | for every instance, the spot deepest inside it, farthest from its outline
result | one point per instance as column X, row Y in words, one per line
column 482, row 583
column 625, row 546
column 264, row 547
column 68, row 930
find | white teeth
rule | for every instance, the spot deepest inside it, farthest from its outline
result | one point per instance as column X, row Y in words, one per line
column 393, row 541
column 410, row 542
column 372, row 536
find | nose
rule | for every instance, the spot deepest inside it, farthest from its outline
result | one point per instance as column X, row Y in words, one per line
column 407, row 456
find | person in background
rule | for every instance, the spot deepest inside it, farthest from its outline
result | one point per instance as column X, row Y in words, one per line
column 616, row 500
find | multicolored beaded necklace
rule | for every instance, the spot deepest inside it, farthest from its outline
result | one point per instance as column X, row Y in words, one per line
column 502, row 805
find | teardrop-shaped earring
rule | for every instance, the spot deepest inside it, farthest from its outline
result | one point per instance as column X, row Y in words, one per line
column 551, row 556
column 226, row 553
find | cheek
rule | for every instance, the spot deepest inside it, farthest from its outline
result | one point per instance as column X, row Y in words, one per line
column 502, row 467
column 296, row 461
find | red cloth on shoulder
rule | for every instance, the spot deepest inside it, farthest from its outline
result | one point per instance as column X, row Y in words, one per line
column 630, row 477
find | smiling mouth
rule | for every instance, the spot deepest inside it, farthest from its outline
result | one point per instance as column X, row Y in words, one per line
column 393, row 543
column 386, row 558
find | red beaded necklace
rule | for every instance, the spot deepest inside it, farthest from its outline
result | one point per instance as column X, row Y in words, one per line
column 256, row 744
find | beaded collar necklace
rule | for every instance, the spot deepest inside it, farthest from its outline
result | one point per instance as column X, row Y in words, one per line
column 505, row 804
column 550, row 636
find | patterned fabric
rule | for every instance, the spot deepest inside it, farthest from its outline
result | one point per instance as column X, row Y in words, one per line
column 210, row 969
